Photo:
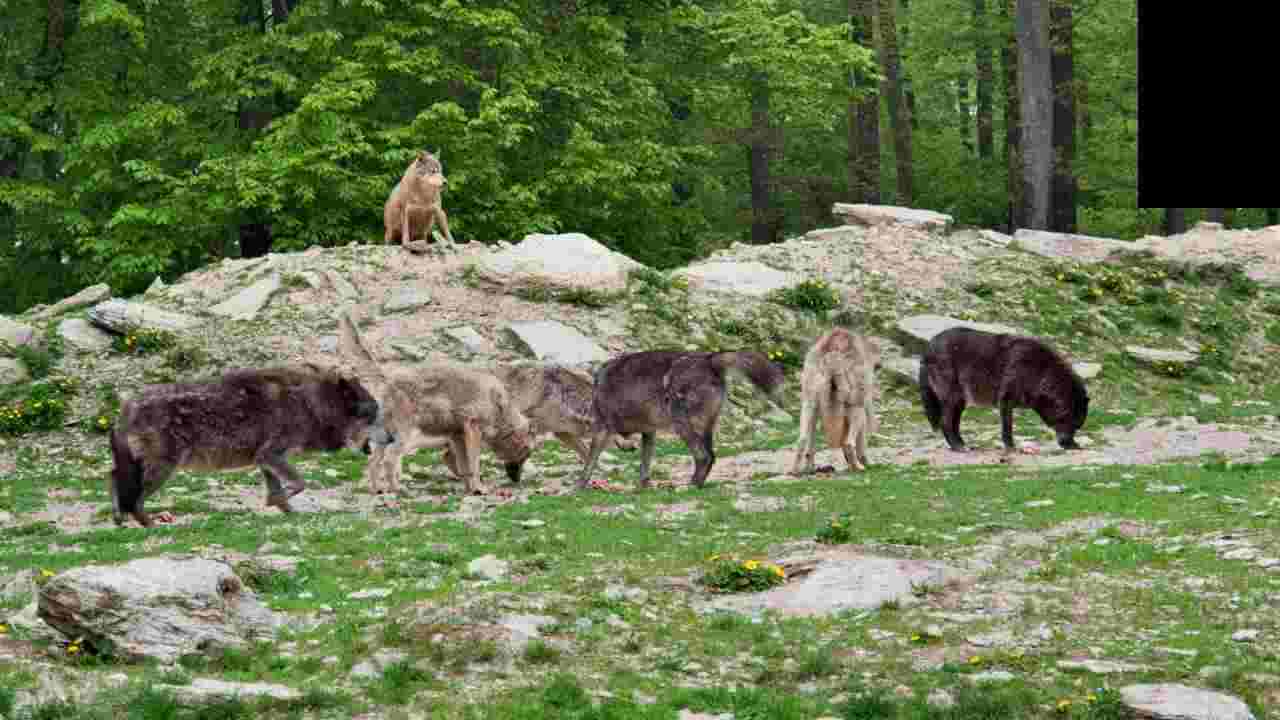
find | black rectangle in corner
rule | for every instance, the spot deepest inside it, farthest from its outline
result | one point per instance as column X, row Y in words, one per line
column 1203, row 135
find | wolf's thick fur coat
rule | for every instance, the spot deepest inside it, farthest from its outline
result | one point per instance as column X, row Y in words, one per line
column 438, row 403
column 963, row 367
column 555, row 398
column 655, row 390
column 838, row 388
column 246, row 417
column 415, row 205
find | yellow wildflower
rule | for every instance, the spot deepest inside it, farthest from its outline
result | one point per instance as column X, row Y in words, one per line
column 1091, row 697
column 777, row 570
column 915, row 638
column 974, row 660
column 46, row 573
column 73, row 649
column 713, row 558
column 4, row 628
column 1063, row 705
column 751, row 564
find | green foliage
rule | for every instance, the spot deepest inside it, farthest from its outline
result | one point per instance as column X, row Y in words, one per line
column 836, row 531
column 108, row 410
column 37, row 406
column 143, row 341
column 728, row 574
column 810, row 295
column 183, row 357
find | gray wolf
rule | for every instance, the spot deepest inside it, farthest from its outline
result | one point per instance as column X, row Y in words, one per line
column 434, row 404
column 246, row 417
column 838, row 386
column 415, row 205
column 555, row 398
column 656, row 390
column 964, row 366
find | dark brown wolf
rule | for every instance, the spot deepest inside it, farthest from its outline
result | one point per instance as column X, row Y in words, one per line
column 656, row 390
column 964, row 366
column 414, row 205
column 246, row 417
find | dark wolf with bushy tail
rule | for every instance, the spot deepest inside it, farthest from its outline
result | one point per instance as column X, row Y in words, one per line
column 668, row 390
column 244, row 418
column 963, row 366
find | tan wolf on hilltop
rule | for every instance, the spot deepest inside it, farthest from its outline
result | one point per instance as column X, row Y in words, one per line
column 434, row 404
column 556, row 399
column 838, row 387
column 246, row 417
column 415, row 204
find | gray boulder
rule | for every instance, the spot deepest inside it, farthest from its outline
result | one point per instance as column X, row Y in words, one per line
column 159, row 607
column 79, row 335
column 15, row 333
column 91, row 295
column 13, row 371
column 246, row 304
column 558, row 262
column 739, row 278
column 1082, row 248
column 862, row 214
column 551, row 341
column 916, row 331
column 1170, row 701
column 120, row 316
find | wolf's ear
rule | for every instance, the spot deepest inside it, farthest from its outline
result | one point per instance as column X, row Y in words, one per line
column 352, row 346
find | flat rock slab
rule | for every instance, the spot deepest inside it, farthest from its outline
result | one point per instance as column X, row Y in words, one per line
column 564, row 261
column 1082, row 248
column 863, row 214
column 246, row 304
column 91, row 295
column 205, row 691
column 13, row 371
column 120, row 316
column 82, row 336
column 916, row 331
column 15, row 333
column 406, row 300
column 158, row 607
column 904, row 368
column 1169, row 701
column 467, row 336
column 1101, row 667
column 741, row 278
column 844, row 580
column 1153, row 355
column 554, row 342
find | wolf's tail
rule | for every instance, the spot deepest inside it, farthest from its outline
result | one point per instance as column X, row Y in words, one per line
column 932, row 403
column 126, row 477
column 754, row 365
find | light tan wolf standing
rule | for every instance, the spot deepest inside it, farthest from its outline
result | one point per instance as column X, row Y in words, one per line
column 556, row 399
column 415, row 205
column 435, row 404
column 838, row 386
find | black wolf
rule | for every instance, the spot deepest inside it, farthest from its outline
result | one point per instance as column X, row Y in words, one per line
column 656, row 390
column 965, row 366
column 245, row 417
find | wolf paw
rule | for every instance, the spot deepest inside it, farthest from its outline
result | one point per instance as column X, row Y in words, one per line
column 164, row 517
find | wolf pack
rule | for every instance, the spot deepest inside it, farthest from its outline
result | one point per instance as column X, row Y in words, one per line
column 250, row 417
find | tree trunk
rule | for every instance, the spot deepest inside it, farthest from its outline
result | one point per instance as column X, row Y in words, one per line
column 962, row 112
column 894, row 97
column 1273, row 216
column 1175, row 221
column 864, row 117
column 986, row 128
column 1218, row 215
column 1082, row 107
column 1012, row 118
column 252, row 117
column 903, row 49
column 1036, row 84
column 1063, row 213
column 758, row 151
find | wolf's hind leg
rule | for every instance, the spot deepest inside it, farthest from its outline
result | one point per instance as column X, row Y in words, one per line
column 647, row 445
column 599, row 438
column 154, row 475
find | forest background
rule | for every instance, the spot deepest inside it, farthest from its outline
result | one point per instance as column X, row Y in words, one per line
column 141, row 138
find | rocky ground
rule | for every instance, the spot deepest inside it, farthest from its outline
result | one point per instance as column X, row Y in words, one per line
column 1137, row 572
